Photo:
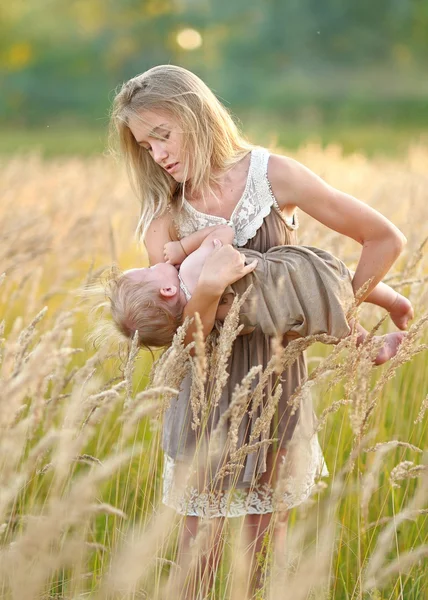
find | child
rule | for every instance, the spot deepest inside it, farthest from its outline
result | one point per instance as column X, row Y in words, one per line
column 296, row 290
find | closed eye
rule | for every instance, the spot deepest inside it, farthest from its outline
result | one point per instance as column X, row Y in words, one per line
column 162, row 138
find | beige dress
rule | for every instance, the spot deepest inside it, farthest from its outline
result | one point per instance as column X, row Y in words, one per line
column 259, row 225
column 299, row 290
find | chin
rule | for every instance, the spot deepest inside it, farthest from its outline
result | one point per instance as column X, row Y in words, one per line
column 178, row 178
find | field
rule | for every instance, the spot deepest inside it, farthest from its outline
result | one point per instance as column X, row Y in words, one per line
column 80, row 458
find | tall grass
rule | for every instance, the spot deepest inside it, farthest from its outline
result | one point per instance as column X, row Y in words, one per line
column 80, row 508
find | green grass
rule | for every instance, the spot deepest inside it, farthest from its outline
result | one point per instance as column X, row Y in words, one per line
column 370, row 138
column 53, row 141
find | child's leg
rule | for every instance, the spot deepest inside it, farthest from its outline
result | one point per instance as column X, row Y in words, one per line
column 401, row 312
column 391, row 342
column 399, row 308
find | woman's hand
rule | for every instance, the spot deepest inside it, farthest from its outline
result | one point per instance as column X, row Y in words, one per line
column 223, row 267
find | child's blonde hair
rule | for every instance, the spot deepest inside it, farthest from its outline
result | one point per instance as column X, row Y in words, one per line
column 211, row 140
column 139, row 306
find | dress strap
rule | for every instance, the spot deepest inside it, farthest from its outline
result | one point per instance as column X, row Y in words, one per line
column 264, row 186
column 184, row 288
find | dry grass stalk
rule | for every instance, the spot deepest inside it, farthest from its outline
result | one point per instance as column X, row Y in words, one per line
column 199, row 374
column 218, row 375
column 411, row 515
column 140, row 411
column 399, row 566
column 406, row 351
column 24, row 340
column 393, row 444
column 358, row 385
column 40, row 548
column 130, row 366
column 262, row 425
column 237, row 456
column 386, row 537
column 370, row 479
column 423, row 409
column 235, row 413
column 410, row 282
column 137, row 558
column 280, row 361
column 173, row 365
column 108, row 509
column 406, row 470
column 415, row 259
column 331, row 410
column 325, row 368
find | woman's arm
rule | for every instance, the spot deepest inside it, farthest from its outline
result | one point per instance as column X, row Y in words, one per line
column 295, row 185
column 159, row 233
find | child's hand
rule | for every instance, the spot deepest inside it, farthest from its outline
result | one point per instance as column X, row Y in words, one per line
column 173, row 253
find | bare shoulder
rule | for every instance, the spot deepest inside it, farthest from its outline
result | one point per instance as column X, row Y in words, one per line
column 289, row 179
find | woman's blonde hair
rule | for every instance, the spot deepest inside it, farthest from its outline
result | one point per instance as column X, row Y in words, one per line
column 139, row 306
column 211, row 140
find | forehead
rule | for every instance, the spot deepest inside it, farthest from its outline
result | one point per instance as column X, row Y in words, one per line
column 137, row 274
column 146, row 123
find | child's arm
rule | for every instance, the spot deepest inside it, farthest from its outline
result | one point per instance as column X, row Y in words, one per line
column 176, row 252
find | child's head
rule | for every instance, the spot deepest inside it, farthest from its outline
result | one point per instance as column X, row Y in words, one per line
column 150, row 301
column 204, row 137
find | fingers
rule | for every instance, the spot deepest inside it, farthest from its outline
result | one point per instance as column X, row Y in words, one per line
column 249, row 268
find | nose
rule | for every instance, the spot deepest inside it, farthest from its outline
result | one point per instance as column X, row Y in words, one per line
column 159, row 153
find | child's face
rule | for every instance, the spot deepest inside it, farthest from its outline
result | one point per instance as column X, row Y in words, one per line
column 164, row 276
column 160, row 134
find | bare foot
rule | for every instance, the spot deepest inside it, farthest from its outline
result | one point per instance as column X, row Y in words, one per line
column 391, row 342
column 401, row 311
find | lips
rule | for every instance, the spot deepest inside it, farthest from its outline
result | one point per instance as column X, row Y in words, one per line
column 171, row 167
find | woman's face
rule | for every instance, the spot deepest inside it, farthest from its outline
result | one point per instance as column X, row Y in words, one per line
column 160, row 134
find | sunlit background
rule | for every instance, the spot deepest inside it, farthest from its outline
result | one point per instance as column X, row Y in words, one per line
column 350, row 72
column 326, row 81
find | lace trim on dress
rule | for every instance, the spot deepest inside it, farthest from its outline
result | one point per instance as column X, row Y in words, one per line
column 184, row 288
column 292, row 223
column 260, row 498
column 249, row 213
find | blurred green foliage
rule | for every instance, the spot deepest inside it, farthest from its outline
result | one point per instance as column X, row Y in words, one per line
column 320, row 62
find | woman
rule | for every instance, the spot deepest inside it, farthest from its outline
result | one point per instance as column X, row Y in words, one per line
column 190, row 169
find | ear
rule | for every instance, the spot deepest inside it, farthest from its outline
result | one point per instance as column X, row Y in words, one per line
column 168, row 292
